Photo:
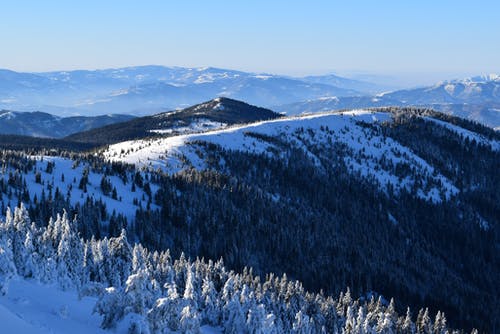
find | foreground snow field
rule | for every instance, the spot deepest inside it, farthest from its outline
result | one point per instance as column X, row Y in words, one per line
column 31, row 307
column 34, row 308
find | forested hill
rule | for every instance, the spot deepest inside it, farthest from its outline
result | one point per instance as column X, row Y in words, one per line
column 398, row 202
column 39, row 124
column 133, row 290
column 216, row 113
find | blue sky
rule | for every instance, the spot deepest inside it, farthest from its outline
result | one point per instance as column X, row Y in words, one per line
column 292, row 37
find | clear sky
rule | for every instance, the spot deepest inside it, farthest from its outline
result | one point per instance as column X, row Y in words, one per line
column 292, row 37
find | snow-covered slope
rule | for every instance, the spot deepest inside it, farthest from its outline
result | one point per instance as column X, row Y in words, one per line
column 370, row 155
column 35, row 308
column 64, row 176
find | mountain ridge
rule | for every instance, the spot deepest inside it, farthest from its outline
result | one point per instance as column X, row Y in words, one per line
column 102, row 91
column 476, row 98
column 218, row 112
column 45, row 125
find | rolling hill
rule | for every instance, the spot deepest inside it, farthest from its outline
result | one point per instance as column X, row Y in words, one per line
column 39, row 124
column 219, row 112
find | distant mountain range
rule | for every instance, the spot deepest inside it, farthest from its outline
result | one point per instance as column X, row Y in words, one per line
column 39, row 124
column 476, row 98
column 149, row 89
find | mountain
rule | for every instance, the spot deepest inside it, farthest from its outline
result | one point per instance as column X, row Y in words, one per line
column 359, row 199
column 476, row 98
column 150, row 89
column 475, row 90
column 393, row 202
column 262, row 90
column 216, row 113
column 267, row 137
column 335, row 103
column 39, row 124
column 337, row 81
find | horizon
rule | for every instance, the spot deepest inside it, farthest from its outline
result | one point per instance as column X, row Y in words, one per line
column 404, row 79
column 445, row 40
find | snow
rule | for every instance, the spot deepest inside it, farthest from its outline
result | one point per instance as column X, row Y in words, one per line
column 327, row 98
column 72, row 175
column 31, row 307
column 34, row 308
column 263, row 76
column 392, row 219
column 176, row 153
column 12, row 323
column 450, row 88
column 8, row 115
column 200, row 125
column 494, row 144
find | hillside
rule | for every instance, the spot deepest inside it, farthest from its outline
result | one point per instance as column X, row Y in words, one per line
column 356, row 199
column 55, row 282
column 28, row 143
column 219, row 112
column 39, row 124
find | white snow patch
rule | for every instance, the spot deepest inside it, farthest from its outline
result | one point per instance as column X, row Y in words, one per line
column 200, row 125
column 34, row 308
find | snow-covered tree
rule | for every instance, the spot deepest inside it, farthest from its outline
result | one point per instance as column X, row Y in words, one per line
column 234, row 319
column 190, row 320
column 302, row 324
column 138, row 294
column 408, row 326
column 210, row 303
column 7, row 266
column 165, row 312
column 111, row 307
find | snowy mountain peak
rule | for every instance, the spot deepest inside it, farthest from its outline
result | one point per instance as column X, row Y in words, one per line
column 492, row 77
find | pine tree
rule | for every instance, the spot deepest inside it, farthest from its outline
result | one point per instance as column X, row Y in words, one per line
column 234, row 319
column 440, row 323
column 408, row 326
column 189, row 321
column 210, row 303
column 30, row 259
column 7, row 266
column 302, row 324
column 138, row 295
column 111, row 307
column 165, row 313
